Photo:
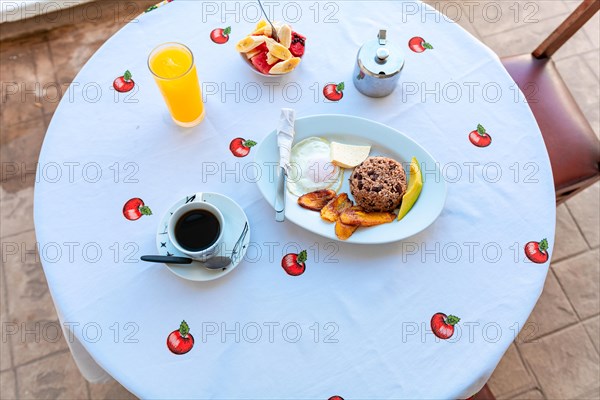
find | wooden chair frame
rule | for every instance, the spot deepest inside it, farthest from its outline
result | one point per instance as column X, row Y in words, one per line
column 567, row 29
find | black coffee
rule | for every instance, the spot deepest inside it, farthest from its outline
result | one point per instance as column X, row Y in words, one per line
column 197, row 230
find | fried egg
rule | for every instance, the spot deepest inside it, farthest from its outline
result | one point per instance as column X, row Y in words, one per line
column 311, row 167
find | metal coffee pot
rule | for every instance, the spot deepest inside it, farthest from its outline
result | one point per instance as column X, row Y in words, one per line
column 378, row 66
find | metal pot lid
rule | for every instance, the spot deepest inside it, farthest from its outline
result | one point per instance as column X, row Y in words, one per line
column 380, row 58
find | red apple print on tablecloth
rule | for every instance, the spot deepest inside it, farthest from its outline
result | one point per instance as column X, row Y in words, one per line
column 333, row 92
column 537, row 252
column 480, row 137
column 220, row 35
column 442, row 325
column 336, row 398
column 135, row 208
column 181, row 340
column 124, row 83
column 293, row 263
column 419, row 45
column 240, row 147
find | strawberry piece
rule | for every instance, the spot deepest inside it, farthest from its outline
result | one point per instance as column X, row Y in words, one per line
column 260, row 62
column 298, row 43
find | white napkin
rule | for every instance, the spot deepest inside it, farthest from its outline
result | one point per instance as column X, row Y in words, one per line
column 285, row 137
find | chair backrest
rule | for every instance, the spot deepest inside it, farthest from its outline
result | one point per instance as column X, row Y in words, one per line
column 568, row 28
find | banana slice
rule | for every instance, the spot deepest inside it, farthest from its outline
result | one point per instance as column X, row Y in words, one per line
column 285, row 66
column 285, row 35
column 260, row 24
column 252, row 53
column 248, row 43
column 278, row 50
column 271, row 59
column 265, row 30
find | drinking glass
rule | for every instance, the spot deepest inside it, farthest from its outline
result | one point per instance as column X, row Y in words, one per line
column 174, row 70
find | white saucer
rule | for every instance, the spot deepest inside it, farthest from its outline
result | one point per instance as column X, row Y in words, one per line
column 236, row 229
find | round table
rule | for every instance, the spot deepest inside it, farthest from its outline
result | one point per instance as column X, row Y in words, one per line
column 357, row 322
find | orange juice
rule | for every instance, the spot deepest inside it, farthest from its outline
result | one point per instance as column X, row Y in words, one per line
column 175, row 74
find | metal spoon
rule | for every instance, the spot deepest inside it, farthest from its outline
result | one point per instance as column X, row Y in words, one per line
column 274, row 34
column 217, row 262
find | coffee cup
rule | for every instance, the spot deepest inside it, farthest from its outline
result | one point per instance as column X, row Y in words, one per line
column 196, row 229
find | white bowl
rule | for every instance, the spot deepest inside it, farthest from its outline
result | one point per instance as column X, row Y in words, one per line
column 249, row 64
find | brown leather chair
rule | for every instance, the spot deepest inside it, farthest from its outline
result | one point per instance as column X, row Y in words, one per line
column 571, row 142
column 484, row 394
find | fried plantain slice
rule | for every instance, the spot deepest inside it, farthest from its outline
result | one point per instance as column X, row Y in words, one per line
column 356, row 216
column 316, row 200
column 343, row 231
column 334, row 208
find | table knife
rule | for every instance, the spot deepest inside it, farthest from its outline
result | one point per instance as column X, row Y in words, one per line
column 280, row 195
column 285, row 137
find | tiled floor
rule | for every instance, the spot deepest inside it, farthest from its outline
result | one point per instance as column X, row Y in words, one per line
column 558, row 361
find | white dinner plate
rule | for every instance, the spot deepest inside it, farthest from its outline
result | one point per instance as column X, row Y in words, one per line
column 384, row 141
column 236, row 236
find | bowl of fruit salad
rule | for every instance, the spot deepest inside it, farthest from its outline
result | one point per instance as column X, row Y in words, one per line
column 269, row 57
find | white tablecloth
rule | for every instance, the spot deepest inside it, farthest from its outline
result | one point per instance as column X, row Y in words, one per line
column 362, row 312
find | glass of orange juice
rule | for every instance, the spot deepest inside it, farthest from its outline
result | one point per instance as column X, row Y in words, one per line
column 174, row 70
